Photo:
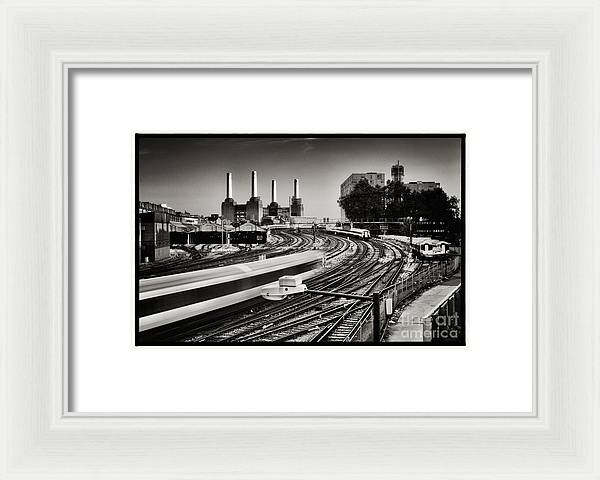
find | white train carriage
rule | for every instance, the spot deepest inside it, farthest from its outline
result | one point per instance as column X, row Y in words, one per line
column 173, row 298
column 424, row 247
column 430, row 247
column 349, row 232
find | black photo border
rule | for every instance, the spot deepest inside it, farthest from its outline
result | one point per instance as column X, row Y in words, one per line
column 462, row 136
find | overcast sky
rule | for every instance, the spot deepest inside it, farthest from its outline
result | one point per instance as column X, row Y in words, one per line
column 189, row 173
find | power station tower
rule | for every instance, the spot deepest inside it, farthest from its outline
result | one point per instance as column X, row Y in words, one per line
column 296, row 207
column 228, row 205
column 273, row 206
column 254, row 207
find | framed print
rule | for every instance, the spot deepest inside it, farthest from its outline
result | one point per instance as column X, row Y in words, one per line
column 330, row 240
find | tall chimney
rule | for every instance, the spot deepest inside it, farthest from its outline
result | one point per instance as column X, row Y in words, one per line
column 229, row 187
column 254, row 185
column 296, row 188
column 273, row 191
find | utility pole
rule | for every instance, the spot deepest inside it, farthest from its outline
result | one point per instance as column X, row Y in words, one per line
column 220, row 222
column 376, row 318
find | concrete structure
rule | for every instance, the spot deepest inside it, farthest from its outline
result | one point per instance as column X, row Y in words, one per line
column 418, row 322
column 171, row 214
column 190, row 219
column 179, row 233
column 155, row 225
column 254, row 211
column 228, row 206
column 154, row 236
column 248, row 233
column 421, row 186
column 273, row 208
column 306, row 221
column 284, row 213
column 373, row 178
column 254, row 207
column 239, row 215
column 397, row 172
column 296, row 207
column 229, row 187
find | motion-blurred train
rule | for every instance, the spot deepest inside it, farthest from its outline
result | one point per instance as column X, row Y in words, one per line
column 173, row 298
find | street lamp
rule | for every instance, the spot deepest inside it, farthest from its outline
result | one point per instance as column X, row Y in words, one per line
column 220, row 222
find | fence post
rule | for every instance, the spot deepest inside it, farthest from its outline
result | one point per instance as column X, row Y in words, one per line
column 376, row 318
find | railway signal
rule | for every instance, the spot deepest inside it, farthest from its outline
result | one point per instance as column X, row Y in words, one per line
column 287, row 285
column 291, row 284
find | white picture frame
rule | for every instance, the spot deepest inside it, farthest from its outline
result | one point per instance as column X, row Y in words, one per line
column 558, row 41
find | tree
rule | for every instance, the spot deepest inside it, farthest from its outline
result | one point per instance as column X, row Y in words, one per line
column 365, row 201
column 435, row 206
column 396, row 200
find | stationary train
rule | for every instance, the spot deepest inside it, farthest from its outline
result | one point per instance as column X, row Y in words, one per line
column 173, row 298
column 423, row 247
column 349, row 231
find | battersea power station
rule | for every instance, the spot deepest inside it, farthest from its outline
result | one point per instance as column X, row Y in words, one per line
column 254, row 210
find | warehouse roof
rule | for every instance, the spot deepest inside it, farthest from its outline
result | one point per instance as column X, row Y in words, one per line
column 250, row 227
column 214, row 227
column 182, row 227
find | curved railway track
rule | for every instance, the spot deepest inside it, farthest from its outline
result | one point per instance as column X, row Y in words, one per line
column 354, row 266
column 335, row 249
column 365, row 267
column 281, row 243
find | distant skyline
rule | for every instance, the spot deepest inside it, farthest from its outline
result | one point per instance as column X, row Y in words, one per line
column 189, row 173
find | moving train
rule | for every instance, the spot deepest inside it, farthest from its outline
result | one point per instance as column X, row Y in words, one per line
column 173, row 298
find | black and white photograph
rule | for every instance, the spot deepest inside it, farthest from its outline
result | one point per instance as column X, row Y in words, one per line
column 298, row 239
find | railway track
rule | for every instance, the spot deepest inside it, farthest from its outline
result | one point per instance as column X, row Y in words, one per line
column 281, row 243
column 343, row 328
column 354, row 266
column 336, row 250
column 308, row 318
column 260, row 316
column 334, row 324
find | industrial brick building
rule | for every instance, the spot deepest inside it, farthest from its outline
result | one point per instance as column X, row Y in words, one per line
column 254, row 210
column 160, row 226
column 154, row 238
